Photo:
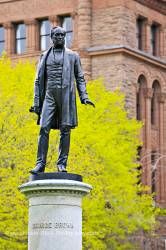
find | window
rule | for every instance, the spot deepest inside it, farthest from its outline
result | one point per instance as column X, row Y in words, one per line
column 155, row 104
column 20, row 38
column 154, row 39
column 45, row 28
column 67, row 24
column 139, row 168
column 139, row 33
column 153, row 173
column 138, row 111
column 140, row 98
column 153, row 110
column 2, row 40
column 140, row 30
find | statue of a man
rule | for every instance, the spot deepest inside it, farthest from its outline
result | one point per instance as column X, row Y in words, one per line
column 55, row 97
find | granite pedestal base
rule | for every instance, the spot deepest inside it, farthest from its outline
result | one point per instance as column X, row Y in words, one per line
column 55, row 212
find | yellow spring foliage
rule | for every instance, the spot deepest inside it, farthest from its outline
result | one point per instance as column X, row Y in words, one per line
column 103, row 150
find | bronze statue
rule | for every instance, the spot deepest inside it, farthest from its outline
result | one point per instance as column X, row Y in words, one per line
column 55, row 97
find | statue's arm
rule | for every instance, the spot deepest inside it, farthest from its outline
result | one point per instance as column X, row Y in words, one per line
column 36, row 88
column 36, row 100
column 80, row 81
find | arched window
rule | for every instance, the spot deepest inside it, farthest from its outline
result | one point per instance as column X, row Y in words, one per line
column 155, row 104
column 140, row 98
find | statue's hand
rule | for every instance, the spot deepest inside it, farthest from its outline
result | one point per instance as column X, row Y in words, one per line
column 35, row 109
column 87, row 101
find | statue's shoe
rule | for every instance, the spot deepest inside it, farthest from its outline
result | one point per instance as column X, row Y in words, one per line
column 61, row 168
column 37, row 169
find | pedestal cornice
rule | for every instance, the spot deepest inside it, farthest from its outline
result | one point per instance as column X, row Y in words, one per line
column 61, row 187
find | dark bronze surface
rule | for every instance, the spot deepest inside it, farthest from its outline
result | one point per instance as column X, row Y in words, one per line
column 55, row 97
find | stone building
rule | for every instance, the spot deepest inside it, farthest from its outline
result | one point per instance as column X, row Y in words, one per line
column 123, row 41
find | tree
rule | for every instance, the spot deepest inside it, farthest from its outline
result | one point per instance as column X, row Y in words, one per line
column 103, row 150
column 17, row 137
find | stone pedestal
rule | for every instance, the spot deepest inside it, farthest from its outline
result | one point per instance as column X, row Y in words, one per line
column 55, row 213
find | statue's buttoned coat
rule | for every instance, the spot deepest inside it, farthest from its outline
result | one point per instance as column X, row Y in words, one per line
column 72, row 77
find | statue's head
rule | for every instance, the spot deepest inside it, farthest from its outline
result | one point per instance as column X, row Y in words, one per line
column 58, row 36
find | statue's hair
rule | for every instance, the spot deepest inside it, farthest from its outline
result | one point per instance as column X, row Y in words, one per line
column 54, row 28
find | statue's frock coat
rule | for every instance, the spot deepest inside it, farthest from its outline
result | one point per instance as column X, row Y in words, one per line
column 71, row 73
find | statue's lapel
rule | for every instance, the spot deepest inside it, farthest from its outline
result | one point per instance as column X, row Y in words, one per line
column 43, row 61
column 66, row 65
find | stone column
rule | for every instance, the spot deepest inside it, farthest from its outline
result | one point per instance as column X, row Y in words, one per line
column 144, row 35
column 9, row 38
column 161, row 164
column 164, row 45
column 148, row 47
column 32, row 35
column 161, row 42
column 84, row 34
column 55, row 212
column 148, row 92
column 158, row 41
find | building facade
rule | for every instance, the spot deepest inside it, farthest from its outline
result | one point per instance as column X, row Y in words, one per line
column 123, row 42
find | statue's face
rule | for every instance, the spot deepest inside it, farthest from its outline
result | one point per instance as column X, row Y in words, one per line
column 58, row 37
